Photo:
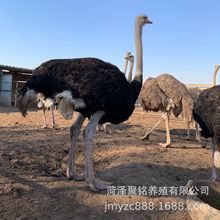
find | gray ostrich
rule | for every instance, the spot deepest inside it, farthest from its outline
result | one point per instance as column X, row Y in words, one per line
column 165, row 93
column 96, row 89
column 128, row 58
column 207, row 113
column 46, row 103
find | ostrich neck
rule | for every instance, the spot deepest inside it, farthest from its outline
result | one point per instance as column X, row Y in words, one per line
column 125, row 66
column 130, row 71
column 139, row 53
column 215, row 75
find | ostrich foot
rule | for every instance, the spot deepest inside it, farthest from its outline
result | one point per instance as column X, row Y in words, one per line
column 55, row 128
column 214, row 176
column 145, row 137
column 107, row 131
column 44, row 127
column 75, row 176
column 79, row 177
column 164, row 145
column 97, row 185
column 199, row 140
column 214, row 179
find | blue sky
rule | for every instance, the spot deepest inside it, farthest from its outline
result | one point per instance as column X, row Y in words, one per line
column 184, row 39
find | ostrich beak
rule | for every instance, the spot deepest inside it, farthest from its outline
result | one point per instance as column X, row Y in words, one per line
column 127, row 55
column 149, row 22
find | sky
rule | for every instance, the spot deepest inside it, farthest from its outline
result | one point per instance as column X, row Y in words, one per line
column 184, row 39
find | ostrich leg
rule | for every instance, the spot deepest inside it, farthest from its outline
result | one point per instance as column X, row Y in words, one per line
column 53, row 119
column 98, row 127
column 105, row 127
column 148, row 133
column 74, row 133
column 168, row 141
column 214, row 171
column 188, row 130
column 88, row 136
column 44, row 114
column 197, row 132
column 215, row 160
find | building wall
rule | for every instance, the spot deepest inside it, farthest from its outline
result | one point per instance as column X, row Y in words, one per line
column 5, row 89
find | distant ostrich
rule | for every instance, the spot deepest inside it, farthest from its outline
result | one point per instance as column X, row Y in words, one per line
column 46, row 103
column 194, row 92
column 127, row 55
column 131, row 60
column 207, row 113
column 128, row 58
column 96, row 89
column 165, row 93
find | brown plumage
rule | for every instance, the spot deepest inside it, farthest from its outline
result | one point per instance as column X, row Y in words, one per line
column 165, row 93
column 194, row 92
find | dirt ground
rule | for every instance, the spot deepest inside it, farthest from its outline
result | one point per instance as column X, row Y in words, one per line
column 33, row 163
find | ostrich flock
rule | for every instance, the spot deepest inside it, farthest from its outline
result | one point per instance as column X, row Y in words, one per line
column 99, row 91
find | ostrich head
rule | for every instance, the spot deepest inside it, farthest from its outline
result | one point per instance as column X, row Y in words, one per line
column 126, row 61
column 143, row 19
column 127, row 55
column 24, row 98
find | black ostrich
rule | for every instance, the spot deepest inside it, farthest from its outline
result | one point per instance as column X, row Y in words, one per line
column 96, row 89
column 206, row 112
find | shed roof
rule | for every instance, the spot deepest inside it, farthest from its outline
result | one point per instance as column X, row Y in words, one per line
column 16, row 69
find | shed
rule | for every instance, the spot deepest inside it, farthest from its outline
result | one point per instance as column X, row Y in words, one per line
column 11, row 80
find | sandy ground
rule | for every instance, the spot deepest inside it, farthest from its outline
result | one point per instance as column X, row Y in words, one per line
column 33, row 163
